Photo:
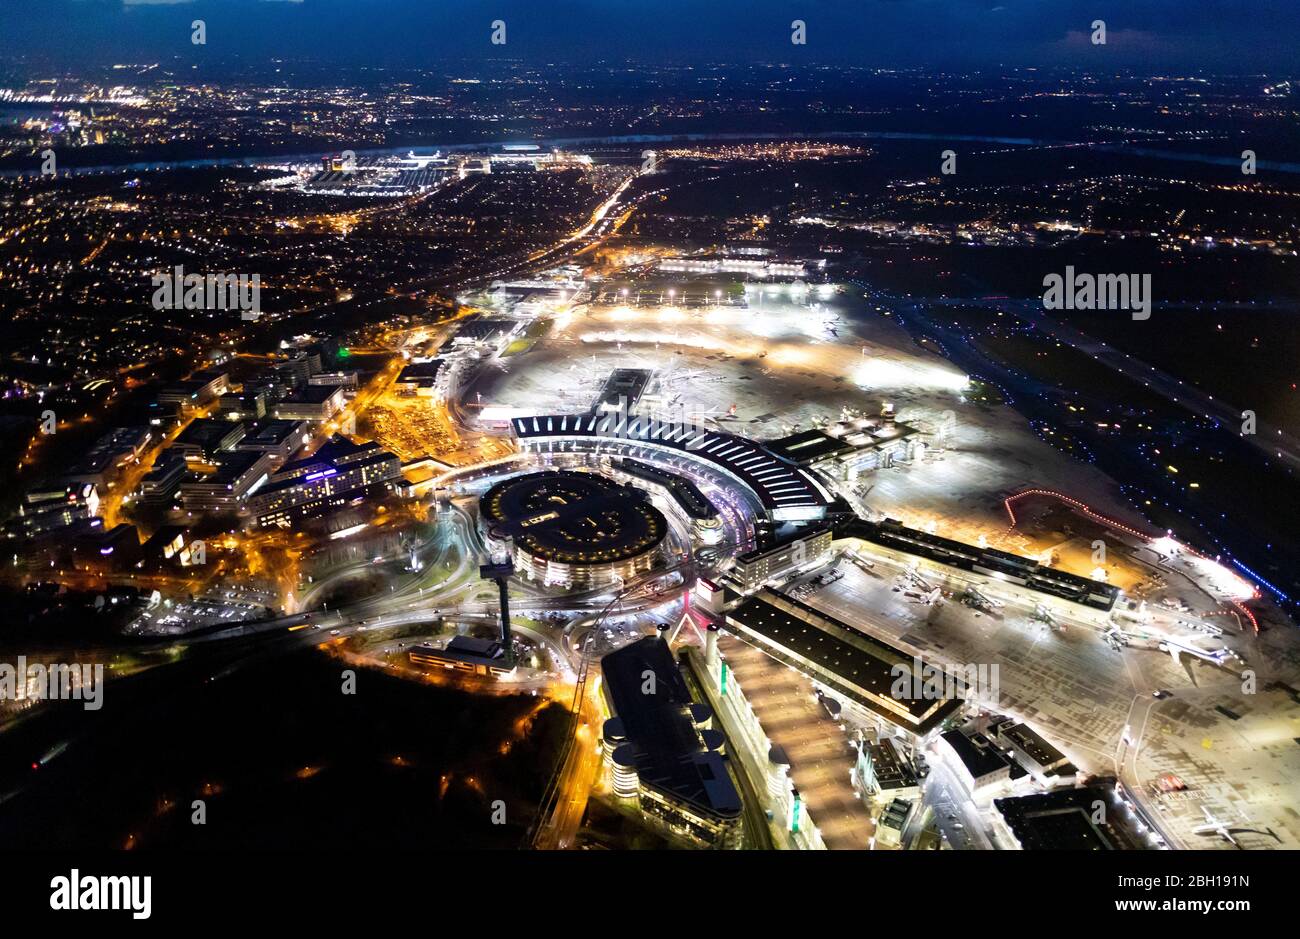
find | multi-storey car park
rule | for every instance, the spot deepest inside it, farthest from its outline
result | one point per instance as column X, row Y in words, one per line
column 572, row 528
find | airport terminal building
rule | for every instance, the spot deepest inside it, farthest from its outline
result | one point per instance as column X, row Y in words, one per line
column 859, row 667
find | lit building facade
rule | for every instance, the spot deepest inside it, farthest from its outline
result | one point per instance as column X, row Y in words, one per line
column 755, row 568
column 338, row 473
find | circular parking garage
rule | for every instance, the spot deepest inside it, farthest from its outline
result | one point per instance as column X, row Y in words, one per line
column 573, row 529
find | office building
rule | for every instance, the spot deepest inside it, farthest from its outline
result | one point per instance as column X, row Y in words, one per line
column 205, row 438
column 51, row 508
column 800, row 548
column 661, row 748
column 465, row 654
column 160, row 485
column 238, row 473
column 339, row 473
column 976, row 762
column 246, row 405
column 281, row 439
column 313, row 403
column 885, row 773
column 110, row 453
column 197, row 390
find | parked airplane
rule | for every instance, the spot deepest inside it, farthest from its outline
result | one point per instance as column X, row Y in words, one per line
column 1216, row 826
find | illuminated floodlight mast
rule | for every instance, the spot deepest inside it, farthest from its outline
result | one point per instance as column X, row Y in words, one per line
column 1166, row 545
column 1222, row 580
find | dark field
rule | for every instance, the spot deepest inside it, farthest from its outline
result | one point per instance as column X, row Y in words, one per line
column 283, row 760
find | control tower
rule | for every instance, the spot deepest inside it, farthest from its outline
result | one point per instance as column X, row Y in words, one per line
column 501, row 567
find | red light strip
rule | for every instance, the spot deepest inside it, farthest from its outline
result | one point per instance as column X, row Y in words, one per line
column 1077, row 504
column 1087, row 510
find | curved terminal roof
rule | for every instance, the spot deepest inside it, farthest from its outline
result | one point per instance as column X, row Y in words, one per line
column 573, row 518
column 782, row 486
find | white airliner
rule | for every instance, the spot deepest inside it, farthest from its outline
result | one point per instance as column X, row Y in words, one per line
column 1215, row 826
column 1175, row 647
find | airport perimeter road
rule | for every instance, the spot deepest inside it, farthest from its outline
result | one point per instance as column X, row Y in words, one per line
column 577, row 777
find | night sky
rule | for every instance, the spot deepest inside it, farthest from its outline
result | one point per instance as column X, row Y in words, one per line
column 1232, row 36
